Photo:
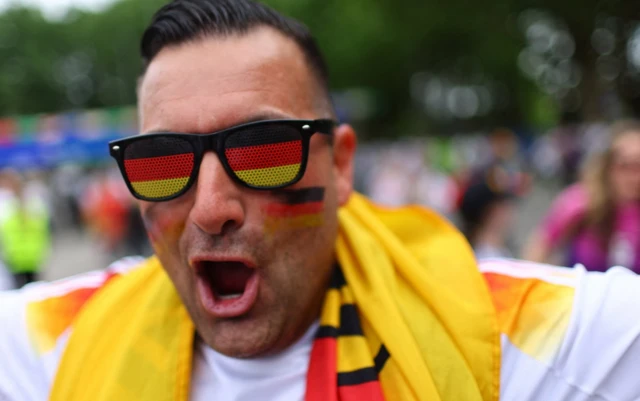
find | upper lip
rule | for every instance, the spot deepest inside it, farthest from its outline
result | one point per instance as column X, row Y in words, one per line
column 196, row 261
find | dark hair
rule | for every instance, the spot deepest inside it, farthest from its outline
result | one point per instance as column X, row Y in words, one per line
column 478, row 199
column 186, row 20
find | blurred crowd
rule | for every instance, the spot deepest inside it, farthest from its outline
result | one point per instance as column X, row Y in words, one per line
column 38, row 205
column 477, row 181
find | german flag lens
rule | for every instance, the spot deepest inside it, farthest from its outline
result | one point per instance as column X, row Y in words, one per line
column 158, row 167
column 265, row 157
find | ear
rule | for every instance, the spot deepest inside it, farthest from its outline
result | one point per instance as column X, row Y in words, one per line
column 344, row 148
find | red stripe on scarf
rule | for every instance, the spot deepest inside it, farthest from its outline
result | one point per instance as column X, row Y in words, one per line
column 322, row 382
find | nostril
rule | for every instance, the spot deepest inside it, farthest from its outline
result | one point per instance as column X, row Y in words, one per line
column 228, row 227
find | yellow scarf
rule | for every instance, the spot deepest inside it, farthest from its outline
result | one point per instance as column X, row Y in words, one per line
column 407, row 317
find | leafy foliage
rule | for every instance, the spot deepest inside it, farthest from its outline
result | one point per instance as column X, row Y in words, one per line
column 90, row 60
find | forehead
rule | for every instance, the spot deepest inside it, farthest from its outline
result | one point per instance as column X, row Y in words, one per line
column 213, row 83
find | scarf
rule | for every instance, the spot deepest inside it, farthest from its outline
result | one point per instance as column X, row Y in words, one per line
column 407, row 317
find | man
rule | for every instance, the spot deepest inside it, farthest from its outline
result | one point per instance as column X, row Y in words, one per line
column 280, row 283
column 488, row 209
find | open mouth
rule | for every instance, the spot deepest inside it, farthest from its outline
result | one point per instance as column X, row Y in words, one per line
column 226, row 288
column 227, row 280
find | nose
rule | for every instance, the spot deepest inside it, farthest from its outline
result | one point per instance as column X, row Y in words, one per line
column 217, row 209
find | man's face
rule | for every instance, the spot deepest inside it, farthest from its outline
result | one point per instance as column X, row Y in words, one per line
column 250, row 268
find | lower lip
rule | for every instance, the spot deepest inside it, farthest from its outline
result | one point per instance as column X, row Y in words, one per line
column 228, row 308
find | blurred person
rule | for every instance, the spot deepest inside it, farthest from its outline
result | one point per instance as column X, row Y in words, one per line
column 504, row 163
column 9, row 179
column 272, row 280
column 506, row 160
column 68, row 184
column 391, row 183
column 135, row 241
column 7, row 198
column 25, row 232
column 567, row 138
column 106, row 209
column 436, row 190
column 6, row 280
column 597, row 221
column 488, row 210
column 546, row 158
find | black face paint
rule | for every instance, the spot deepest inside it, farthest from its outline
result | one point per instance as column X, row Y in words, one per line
column 294, row 209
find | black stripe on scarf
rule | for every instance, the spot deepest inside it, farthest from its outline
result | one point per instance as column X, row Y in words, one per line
column 356, row 377
column 382, row 358
column 365, row 375
column 349, row 324
column 349, row 321
column 327, row 332
column 337, row 279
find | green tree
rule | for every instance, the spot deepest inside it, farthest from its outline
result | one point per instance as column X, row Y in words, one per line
column 91, row 60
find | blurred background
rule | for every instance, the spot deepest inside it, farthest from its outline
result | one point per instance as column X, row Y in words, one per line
column 507, row 97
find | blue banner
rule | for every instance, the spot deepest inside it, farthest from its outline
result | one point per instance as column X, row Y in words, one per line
column 45, row 155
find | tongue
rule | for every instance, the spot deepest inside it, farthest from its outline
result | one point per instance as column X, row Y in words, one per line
column 229, row 277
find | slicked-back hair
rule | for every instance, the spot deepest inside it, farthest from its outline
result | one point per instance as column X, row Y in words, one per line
column 183, row 21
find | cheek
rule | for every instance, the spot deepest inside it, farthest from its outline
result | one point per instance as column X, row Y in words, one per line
column 164, row 228
column 294, row 209
column 319, row 165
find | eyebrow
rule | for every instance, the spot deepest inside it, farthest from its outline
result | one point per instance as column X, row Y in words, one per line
column 260, row 116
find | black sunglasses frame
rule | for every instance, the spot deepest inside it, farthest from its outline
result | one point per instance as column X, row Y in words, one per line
column 215, row 142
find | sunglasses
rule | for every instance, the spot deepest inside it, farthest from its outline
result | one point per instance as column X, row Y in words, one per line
column 263, row 155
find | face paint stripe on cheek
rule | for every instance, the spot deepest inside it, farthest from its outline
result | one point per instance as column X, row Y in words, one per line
column 301, row 208
column 299, row 196
column 162, row 230
column 282, row 210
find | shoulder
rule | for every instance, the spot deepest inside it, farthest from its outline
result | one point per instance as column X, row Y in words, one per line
column 566, row 332
column 35, row 323
column 50, row 308
column 534, row 302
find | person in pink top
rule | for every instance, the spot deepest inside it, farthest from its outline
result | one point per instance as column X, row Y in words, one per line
column 597, row 221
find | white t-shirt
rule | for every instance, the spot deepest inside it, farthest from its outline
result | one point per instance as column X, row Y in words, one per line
column 278, row 378
column 567, row 335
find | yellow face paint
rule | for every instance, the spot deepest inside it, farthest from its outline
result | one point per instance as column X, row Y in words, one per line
column 295, row 209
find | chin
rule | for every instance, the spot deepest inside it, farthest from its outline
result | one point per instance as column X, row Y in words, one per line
column 242, row 337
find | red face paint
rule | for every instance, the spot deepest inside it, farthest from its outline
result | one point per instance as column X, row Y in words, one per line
column 294, row 209
column 162, row 231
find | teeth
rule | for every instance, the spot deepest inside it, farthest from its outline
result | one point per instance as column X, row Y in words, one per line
column 230, row 296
